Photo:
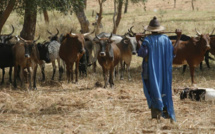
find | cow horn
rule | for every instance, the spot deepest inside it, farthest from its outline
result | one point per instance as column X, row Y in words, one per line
column 131, row 30
column 97, row 37
column 110, row 36
column 57, row 32
column 49, row 32
column 88, row 33
column 21, row 38
column 73, row 34
column 212, row 31
column 12, row 31
column 37, row 39
column 198, row 33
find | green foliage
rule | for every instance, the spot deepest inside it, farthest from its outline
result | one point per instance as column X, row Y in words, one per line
column 59, row 5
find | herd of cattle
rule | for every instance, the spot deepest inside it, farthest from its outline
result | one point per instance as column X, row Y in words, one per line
column 109, row 49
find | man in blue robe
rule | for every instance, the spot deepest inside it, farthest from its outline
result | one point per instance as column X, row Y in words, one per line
column 157, row 53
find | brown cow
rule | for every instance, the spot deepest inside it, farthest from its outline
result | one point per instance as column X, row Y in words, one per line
column 192, row 52
column 127, row 48
column 108, row 58
column 26, row 55
column 71, row 50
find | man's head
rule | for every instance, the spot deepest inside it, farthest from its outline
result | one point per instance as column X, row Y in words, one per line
column 154, row 26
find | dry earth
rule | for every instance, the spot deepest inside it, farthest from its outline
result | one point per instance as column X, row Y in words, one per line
column 87, row 108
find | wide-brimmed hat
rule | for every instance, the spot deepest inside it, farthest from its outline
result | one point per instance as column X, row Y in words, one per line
column 154, row 26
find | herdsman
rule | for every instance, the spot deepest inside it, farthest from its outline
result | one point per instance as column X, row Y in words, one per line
column 157, row 53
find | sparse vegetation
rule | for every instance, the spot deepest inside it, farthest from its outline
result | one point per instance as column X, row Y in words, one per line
column 84, row 108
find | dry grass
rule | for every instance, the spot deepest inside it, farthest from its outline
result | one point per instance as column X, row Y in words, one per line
column 59, row 107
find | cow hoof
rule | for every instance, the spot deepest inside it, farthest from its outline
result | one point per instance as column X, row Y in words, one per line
column 34, row 88
column 121, row 78
column 129, row 79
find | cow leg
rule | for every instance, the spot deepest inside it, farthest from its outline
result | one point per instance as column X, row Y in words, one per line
column 42, row 67
column 54, row 69
column 76, row 70
column 105, row 73
column 21, row 75
column 29, row 77
column 71, row 71
column 207, row 59
column 3, row 73
column 94, row 67
column 184, row 69
column 68, row 72
column 201, row 66
column 128, row 71
column 121, row 71
column 192, row 74
column 10, row 73
column 34, row 76
column 60, row 69
column 111, row 77
column 15, row 76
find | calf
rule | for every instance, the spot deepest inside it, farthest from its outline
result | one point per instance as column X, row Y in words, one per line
column 108, row 58
column 71, row 50
column 192, row 52
column 207, row 94
column 26, row 55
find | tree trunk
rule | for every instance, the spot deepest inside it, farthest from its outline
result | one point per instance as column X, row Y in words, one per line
column 46, row 16
column 82, row 20
column 98, row 21
column 85, row 4
column 30, row 18
column 126, row 6
column 174, row 3
column 192, row 3
column 119, row 15
column 4, row 16
column 144, row 4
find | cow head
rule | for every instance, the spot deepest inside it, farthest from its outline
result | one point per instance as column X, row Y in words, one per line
column 131, row 43
column 43, row 51
column 53, row 37
column 204, row 40
column 28, row 45
column 6, row 37
column 105, row 46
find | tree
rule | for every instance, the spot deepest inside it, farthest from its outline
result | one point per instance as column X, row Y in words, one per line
column 117, row 14
column 30, row 18
column 97, row 24
column 126, row 6
column 4, row 14
column 78, row 8
column 192, row 4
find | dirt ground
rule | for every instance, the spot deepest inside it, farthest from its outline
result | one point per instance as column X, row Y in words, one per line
column 87, row 108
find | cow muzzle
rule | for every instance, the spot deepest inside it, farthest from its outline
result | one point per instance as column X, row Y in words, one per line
column 134, row 53
column 102, row 54
column 27, row 56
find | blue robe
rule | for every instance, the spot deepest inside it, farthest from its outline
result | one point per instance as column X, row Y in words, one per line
column 158, row 86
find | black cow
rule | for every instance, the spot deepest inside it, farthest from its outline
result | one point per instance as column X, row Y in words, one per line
column 6, row 59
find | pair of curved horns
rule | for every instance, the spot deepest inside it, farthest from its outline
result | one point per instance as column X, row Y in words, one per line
column 108, row 38
column 55, row 34
column 86, row 34
column 11, row 32
column 29, row 40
